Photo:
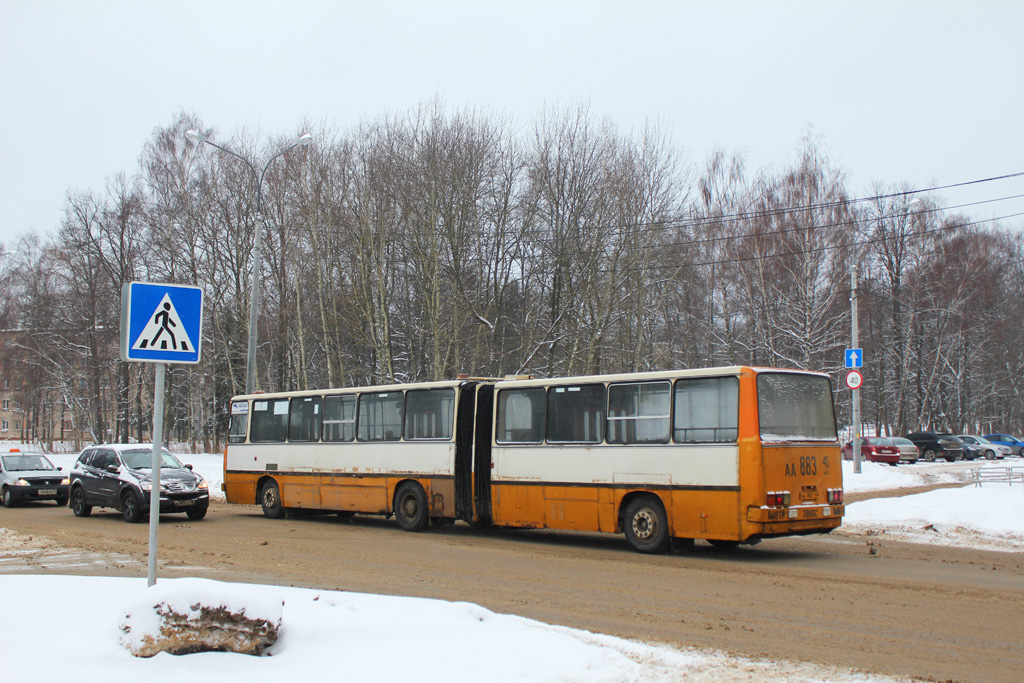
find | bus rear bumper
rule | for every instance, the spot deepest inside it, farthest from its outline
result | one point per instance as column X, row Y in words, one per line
column 796, row 519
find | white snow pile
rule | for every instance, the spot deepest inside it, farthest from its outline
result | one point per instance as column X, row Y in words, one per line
column 329, row 635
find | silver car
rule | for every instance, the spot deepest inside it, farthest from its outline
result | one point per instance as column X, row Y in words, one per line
column 30, row 477
column 990, row 450
column 909, row 453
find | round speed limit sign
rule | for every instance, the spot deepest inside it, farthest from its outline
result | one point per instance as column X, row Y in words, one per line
column 854, row 379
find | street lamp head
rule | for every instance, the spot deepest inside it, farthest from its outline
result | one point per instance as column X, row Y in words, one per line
column 305, row 140
column 195, row 136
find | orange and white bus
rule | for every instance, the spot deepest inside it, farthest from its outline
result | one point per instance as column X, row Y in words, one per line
column 730, row 455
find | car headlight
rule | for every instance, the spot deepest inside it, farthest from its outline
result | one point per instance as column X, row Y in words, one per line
column 203, row 484
column 146, row 486
column 65, row 481
column 22, row 482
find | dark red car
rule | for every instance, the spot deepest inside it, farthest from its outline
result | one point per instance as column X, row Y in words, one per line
column 874, row 449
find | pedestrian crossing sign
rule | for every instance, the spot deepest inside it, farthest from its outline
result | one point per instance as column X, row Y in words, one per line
column 161, row 323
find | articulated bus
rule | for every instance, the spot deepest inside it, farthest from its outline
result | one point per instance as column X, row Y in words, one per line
column 730, row 455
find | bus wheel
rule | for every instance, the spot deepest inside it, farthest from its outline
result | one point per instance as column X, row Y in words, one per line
column 270, row 499
column 411, row 507
column 647, row 526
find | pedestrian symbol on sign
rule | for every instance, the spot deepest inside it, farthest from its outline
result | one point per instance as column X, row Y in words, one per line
column 164, row 331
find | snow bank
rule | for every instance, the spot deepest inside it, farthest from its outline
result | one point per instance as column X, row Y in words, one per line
column 70, row 625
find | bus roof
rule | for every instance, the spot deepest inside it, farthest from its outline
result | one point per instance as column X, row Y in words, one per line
column 512, row 381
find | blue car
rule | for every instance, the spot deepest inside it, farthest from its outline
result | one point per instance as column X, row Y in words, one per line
column 1016, row 445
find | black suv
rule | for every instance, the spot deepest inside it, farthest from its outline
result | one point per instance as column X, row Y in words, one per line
column 937, row 445
column 119, row 476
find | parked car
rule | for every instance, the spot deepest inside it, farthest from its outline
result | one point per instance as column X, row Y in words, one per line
column 972, row 451
column 30, row 476
column 989, row 450
column 937, row 445
column 119, row 476
column 1016, row 445
column 874, row 449
column 909, row 453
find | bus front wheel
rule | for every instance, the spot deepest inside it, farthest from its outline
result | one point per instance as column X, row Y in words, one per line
column 270, row 500
column 646, row 525
column 411, row 507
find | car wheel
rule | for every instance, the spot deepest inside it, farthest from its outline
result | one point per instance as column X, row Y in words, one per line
column 411, row 507
column 646, row 525
column 198, row 513
column 78, row 505
column 62, row 501
column 131, row 508
column 929, row 455
column 270, row 499
column 990, row 455
column 7, row 498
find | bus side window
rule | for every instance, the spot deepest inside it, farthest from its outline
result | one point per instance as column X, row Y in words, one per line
column 429, row 413
column 304, row 419
column 340, row 418
column 639, row 412
column 239, row 424
column 380, row 416
column 706, row 410
column 576, row 414
column 269, row 420
column 520, row 416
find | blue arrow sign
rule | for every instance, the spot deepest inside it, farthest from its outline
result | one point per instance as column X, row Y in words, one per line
column 161, row 323
column 854, row 358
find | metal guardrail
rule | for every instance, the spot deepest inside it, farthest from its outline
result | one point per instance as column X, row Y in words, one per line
column 1003, row 475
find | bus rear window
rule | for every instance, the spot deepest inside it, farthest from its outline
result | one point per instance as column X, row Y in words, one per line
column 793, row 407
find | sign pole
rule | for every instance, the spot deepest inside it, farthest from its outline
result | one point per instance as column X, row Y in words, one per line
column 154, row 491
column 856, row 392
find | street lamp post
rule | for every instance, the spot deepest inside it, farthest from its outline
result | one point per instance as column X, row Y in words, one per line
column 257, row 253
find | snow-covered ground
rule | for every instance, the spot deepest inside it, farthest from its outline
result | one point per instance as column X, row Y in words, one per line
column 379, row 638
column 987, row 517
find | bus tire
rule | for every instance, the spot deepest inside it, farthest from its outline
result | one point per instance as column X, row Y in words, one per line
column 646, row 525
column 411, row 507
column 270, row 500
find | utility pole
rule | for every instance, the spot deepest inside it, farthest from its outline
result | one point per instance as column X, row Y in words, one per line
column 856, row 392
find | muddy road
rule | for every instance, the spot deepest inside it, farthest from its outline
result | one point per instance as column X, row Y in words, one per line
column 850, row 601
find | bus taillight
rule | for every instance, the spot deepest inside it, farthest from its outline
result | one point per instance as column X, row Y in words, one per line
column 778, row 498
column 835, row 496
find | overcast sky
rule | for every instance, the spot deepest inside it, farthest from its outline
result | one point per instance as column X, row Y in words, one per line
column 922, row 92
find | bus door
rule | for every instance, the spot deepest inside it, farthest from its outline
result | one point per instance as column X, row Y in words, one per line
column 482, row 453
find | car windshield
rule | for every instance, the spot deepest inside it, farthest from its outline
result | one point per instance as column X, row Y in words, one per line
column 878, row 441
column 900, row 441
column 27, row 463
column 982, row 439
column 142, row 459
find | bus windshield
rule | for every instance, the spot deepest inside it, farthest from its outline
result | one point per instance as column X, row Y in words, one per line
column 795, row 407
